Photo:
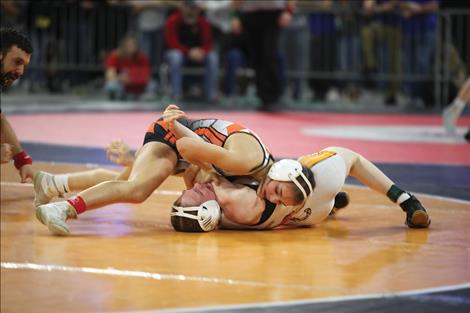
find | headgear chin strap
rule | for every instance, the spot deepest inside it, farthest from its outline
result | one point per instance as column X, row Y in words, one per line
column 202, row 218
column 289, row 170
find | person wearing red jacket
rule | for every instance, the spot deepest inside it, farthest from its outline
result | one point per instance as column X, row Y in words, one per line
column 189, row 41
column 128, row 70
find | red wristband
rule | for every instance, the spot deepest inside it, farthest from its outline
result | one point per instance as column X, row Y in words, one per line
column 21, row 159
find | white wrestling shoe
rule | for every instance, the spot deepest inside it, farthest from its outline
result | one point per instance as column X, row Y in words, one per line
column 44, row 188
column 54, row 216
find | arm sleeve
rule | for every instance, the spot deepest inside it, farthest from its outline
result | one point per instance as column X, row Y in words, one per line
column 171, row 34
column 206, row 34
column 111, row 61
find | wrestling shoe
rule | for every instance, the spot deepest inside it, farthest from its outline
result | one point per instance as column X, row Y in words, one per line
column 416, row 215
column 54, row 216
column 341, row 201
column 44, row 188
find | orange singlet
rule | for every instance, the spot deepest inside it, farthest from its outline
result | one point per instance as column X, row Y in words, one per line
column 214, row 131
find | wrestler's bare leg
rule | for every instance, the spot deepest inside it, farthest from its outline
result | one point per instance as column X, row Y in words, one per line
column 47, row 186
column 370, row 175
column 452, row 113
column 154, row 163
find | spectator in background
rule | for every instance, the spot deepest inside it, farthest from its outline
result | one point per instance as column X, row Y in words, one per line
column 218, row 14
column 348, row 26
column 235, row 57
column 77, row 40
column 150, row 18
column 322, row 47
column 456, row 51
column 381, row 40
column 127, row 71
column 452, row 113
column 419, row 29
column 188, row 37
column 294, row 48
column 229, row 44
column 259, row 23
column 113, row 21
column 12, row 14
column 41, row 23
column 86, row 10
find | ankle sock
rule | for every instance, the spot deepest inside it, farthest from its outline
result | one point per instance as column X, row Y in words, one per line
column 62, row 183
column 397, row 195
column 78, row 204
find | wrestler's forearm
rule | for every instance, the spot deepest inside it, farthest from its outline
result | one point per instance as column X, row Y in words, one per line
column 181, row 131
column 200, row 152
column 8, row 136
column 190, row 175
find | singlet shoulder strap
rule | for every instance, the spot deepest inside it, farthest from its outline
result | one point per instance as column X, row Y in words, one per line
column 268, row 211
column 267, row 157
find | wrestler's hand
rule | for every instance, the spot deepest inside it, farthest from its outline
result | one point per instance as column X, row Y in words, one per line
column 190, row 175
column 6, row 153
column 196, row 54
column 120, row 153
column 26, row 173
column 171, row 114
column 206, row 175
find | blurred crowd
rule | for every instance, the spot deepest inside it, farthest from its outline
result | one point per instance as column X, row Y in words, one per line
column 211, row 49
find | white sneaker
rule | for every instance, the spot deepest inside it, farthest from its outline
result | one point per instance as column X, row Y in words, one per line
column 44, row 188
column 54, row 216
column 449, row 118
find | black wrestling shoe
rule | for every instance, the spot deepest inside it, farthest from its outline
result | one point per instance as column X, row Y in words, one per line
column 416, row 215
column 341, row 201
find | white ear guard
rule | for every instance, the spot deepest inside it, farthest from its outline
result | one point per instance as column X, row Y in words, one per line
column 289, row 170
column 207, row 215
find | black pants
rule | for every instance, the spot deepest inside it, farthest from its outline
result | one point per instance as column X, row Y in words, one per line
column 322, row 59
column 261, row 35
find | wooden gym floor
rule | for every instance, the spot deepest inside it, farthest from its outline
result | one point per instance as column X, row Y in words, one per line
column 128, row 258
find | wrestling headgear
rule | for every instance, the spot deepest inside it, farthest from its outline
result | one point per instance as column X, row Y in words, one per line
column 290, row 170
column 202, row 218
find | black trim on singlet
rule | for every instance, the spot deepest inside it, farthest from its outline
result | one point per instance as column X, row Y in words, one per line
column 268, row 207
column 216, row 134
column 215, row 131
column 268, row 211
column 212, row 129
column 262, row 165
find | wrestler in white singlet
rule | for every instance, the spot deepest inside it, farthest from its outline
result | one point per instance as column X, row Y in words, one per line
column 329, row 170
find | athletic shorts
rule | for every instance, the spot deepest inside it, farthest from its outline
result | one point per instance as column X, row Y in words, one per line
column 159, row 132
